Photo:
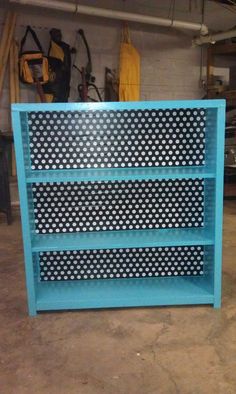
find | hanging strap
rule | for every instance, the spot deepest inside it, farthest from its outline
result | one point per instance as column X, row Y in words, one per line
column 125, row 34
column 88, row 67
column 35, row 38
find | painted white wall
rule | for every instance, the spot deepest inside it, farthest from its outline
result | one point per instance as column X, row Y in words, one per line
column 170, row 67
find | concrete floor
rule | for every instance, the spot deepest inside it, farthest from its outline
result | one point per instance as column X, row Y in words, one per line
column 185, row 350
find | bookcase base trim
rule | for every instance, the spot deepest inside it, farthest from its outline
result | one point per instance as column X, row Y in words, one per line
column 123, row 293
column 47, row 306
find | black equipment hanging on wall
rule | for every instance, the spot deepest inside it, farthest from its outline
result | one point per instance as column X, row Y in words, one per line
column 59, row 57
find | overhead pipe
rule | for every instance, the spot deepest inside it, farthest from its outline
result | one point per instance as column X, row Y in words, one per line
column 113, row 14
column 213, row 38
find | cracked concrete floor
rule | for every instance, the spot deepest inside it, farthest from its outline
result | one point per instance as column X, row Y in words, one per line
column 185, row 350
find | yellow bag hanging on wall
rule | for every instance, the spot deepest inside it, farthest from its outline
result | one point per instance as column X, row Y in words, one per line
column 129, row 88
column 33, row 65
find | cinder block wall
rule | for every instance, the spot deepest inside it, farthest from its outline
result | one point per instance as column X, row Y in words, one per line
column 169, row 65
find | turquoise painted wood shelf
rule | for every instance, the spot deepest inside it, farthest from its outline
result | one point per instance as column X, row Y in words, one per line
column 121, row 203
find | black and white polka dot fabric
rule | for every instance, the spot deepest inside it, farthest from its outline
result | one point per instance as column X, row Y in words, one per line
column 121, row 263
column 118, row 139
column 118, row 205
column 112, row 139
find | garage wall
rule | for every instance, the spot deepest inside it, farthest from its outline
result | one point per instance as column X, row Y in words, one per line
column 169, row 65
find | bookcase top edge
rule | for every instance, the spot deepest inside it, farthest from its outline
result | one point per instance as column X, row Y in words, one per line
column 142, row 105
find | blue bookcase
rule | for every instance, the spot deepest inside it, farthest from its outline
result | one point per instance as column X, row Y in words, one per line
column 121, row 203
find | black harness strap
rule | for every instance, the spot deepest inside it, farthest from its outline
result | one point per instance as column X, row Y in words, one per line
column 35, row 38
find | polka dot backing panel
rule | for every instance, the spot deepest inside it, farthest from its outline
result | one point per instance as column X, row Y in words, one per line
column 118, row 205
column 124, row 138
column 121, row 263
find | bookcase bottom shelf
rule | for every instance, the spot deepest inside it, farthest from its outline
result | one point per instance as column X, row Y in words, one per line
column 117, row 293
